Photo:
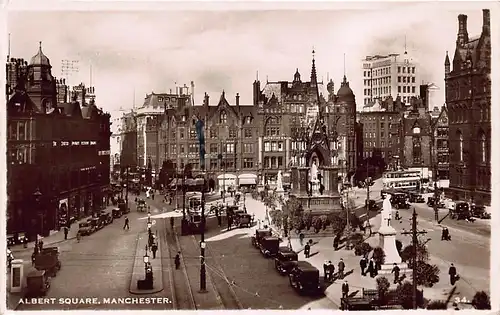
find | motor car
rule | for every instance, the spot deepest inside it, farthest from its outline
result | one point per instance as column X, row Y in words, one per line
column 259, row 235
column 85, row 228
column 304, row 278
column 285, row 260
column 269, row 246
column 461, row 211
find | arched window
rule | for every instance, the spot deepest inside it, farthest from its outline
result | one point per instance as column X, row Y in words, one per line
column 223, row 118
column 483, row 147
column 461, row 146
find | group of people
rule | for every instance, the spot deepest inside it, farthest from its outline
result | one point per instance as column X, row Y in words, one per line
column 368, row 266
column 329, row 270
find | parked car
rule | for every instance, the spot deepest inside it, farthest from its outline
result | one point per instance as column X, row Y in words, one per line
column 85, row 228
column 259, row 235
column 372, row 205
column 269, row 246
column 479, row 211
column 432, row 200
column 304, row 278
column 285, row 260
column 37, row 284
column 399, row 201
column 417, row 198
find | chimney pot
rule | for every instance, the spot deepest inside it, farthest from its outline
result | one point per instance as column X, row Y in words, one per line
column 237, row 99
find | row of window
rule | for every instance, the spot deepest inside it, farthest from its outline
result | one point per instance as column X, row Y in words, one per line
column 373, row 144
column 274, row 146
column 405, row 89
column 271, row 162
column 387, row 70
column 367, row 154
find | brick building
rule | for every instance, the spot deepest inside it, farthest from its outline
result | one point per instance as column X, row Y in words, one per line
column 440, row 148
column 57, row 152
column 245, row 144
column 416, row 151
column 468, row 101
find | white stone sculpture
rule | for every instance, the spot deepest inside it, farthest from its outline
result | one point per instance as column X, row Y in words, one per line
column 279, row 182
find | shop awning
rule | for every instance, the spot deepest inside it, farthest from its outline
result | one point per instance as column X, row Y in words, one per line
column 226, row 176
column 250, row 176
column 247, row 181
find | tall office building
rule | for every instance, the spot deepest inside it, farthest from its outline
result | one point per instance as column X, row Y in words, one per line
column 390, row 75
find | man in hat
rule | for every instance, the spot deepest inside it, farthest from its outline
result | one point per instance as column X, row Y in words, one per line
column 326, row 270
column 341, row 268
column 453, row 273
column 362, row 264
column 395, row 271
column 345, row 289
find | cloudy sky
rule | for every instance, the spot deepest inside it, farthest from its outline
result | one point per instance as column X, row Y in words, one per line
column 150, row 50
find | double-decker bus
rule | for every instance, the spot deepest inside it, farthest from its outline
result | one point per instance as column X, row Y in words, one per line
column 401, row 180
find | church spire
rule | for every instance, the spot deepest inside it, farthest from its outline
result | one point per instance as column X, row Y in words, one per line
column 314, row 79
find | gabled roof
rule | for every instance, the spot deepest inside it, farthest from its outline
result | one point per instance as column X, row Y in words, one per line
column 70, row 109
column 24, row 101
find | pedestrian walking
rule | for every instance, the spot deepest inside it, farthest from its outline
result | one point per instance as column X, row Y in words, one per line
column 301, row 238
column 453, row 273
column 126, row 225
column 326, row 270
column 172, row 221
column 177, row 260
column 307, row 250
column 66, row 230
column 341, row 268
column 229, row 222
column 78, row 236
column 154, row 248
column 336, row 241
column 362, row 265
column 395, row 271
column 40, row 245
column 331, row 270
column 345, row 289
column 371, row 268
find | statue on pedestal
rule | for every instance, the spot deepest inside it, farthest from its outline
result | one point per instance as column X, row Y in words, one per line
column 387, row 234
column 279, row 182
column 314, row 181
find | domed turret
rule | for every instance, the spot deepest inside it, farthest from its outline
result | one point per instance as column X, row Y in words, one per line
column 40, row 59
column 345, row 93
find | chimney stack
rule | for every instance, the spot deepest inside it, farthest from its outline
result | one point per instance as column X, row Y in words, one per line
column 486, row 20
column 206, row 100
column 462, row 36
column 237, row 99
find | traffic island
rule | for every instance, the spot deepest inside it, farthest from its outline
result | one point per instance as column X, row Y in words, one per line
column 147, row 273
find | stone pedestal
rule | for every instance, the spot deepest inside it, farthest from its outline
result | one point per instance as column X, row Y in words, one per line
column 387, row 241
column 330, row 179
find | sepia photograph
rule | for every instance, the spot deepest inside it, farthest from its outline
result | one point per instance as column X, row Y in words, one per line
column 328, row 156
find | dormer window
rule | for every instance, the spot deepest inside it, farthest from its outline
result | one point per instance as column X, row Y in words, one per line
column 248, row 120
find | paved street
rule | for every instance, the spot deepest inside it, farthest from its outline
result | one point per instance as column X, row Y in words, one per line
column 255, row 284
column 100, row 266
column 472, row 266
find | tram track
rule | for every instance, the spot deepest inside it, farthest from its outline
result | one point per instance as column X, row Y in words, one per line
column 180, row 288
column 220, row 281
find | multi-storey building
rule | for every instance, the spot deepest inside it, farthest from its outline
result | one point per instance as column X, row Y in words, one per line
column 440, row 148
column 380, row 130
column 390, row 75
column 57, row 153
column 128, row 140
column 416, row 138
column 468, row 101
column 285, row 109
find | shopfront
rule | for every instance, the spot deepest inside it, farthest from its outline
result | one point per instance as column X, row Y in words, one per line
column 247, row 180
column 226, row 181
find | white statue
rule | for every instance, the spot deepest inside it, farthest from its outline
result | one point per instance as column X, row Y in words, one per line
column 387, row 210
column 279, row 182
column 314, row 172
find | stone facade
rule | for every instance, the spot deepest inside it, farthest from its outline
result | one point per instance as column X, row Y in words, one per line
column 468, row 101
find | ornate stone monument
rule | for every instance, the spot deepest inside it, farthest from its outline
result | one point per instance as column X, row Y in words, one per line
column 387, row 239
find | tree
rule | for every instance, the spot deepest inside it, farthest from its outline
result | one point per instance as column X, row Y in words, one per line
column 383, row 286
column 437, row 305
column 427, row 274
column 404, row 294
column 481, row 301
column 317, row 224
column 378, row 256
column 362, row 249
column 407, row 254
column 338, row 221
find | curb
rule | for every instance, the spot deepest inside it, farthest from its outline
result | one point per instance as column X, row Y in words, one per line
column 158, row 279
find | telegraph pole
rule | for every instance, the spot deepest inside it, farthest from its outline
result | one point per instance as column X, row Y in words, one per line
column 414, row 233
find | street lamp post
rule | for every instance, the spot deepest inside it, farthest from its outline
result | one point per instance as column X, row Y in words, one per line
column 38, row 196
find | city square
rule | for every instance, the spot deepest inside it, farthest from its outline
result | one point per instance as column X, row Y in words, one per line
column 317, row 178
